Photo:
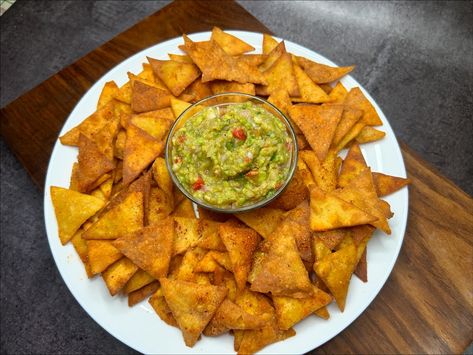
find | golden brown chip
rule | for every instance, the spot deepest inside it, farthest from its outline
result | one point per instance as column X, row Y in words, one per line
column 186, row 270
column 216, row 64
column 150, row 248
column 387, row 184
column 352, row 133
column 321, row 73
column 198, row 90
column 230, row 44
column 349, row 118
column 110, row 89
column 72, row 209
column 322, row 313
column 119, row 148
column 176, row 76
column 290, row 311
column 80, row 246
column 222, row 86
column 332, row 238
column 145, row 97
column 352, row 166
column 161, row 307
column 155, row 123
column 192, row 305
column 328, row 211
column 210, row 238
column 293, row 195
column 281, row 100
column 140, row 279
column 123, row 219
column 124, row 93
column 101, row 254
column 252, row 59
column 292, row 279
column 137, row 296
column 318, row 123
column 356, row 99
column 241, row 244
column 92, row 164
column 324, row 174
column 335, row 270
column 140, row 151
column 310, row 92
column 301, row 231
column 269, row 43
column 105, row 137
column 361, row 270
column 280, row 76
column 369, row 134
column 184, row 208
column 273, row 56
column 160, row 205
column 180, row 58
column 118, row 274
column 90, row 126
column 263, row 220
column 178, row 106
column 187, row 234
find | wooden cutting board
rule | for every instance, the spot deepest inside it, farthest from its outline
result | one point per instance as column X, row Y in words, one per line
column 426, row 306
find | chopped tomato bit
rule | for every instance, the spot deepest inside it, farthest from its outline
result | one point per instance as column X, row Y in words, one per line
column 239, row 134
column 198, row 184
column 181, row 139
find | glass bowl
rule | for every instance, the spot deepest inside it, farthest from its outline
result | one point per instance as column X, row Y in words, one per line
column 226, row 99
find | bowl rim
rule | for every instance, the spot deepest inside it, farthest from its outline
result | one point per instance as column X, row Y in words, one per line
column 245, row 208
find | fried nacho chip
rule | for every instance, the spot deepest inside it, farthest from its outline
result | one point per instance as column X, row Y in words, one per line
column 352, row 133
column 145, row 97
column 215, row 63
column 184, row 208
column 161, row 307
column 338, row 94
column 192, row 305
column 282, row 101
column 369, row 134
column 293, row 195
column 180, row 58
column 187, row 270
column 318, row 123
column 187, row 234
column 140, row 279
column 137, row 296
column 210, row 238
column 387, row 184
column 178, row 106
column 198, row 90
column 310, row 92
column 301, row 230
column 119, row 148
column 328, row 211
column 241, row 243
column 356, row 99
column 150, row 248
column 72, row 209
column 320, row 249
column 292, row 280
column 349, row 118
column 110, row 89
column 140, row 151
column 222, row 86
column 361, row 270
column 118, row 274
column 321, row 73
column 352, row 166
column 176, row 76
column 252, row 59
column 124, row 93
column 160, row 205
column 123, row 219
column 335, row 270
column 90, row 125
column 290, row 311
column 269, row 43
column 80, row 246
column 280, row 76
column 332, row 238
column 263, row 220
column 101, row 254
column 273, row 56
column 155, row 123
column 324, row 175
column 230, row 44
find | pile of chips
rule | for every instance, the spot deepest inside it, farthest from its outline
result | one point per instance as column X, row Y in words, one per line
column 254, row 274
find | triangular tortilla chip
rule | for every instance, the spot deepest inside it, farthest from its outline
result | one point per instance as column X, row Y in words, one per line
column 352, row 133
column 139, row 280
column 290, row 311
column 252, row 59
column 269, row 43
column 318, row 123
column 338, row 94
column 301, row 230
column 335, row 270
column 80, row 245
column 180, row 58
column 140, row 151
column 321, row 73
column 361, row 193
column 281, row 100
column 118, row 274
column 160, row 205
column 328, row 211
column 72, row 209
column 105, row 137
column 178, row 106
column 124, row 93
column 125, row 218
column 155, row 123
column 187, row 270
column 292, row 280
column 192, row 305
column 361, row 270
column 230, row 44
column 322, row 313
column 222, row 86
column 187, row 234
column 293, row 195
column 216, row 64
column 137, row 296
column 241, row 244
column 280, row 76
column 349, row 118
column 184, row 208
column 320, row 249
column 150, row 248
column 198, row 90
column 110, row 89
column 310, row 92
column 352, row 166
column 369, row 134
column 145, row 97
column 119, row 148
column 101, row 254
column 161, row 307
column 387, row 184
column 273, row 56
column 210, row 238
column 356, row 99
column 231, row 316
column 325, row 175
column 333, row 237
column 175, row 75
column 90, row 125
column 263, row 220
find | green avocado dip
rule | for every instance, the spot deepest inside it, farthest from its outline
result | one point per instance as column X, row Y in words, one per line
column 233, row 155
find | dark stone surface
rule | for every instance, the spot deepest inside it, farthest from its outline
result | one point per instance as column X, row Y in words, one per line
column 414, row 58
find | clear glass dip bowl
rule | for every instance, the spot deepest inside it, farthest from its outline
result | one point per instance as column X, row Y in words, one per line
column 220, row 100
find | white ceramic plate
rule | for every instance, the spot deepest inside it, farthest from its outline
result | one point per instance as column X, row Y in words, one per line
column 139, row 327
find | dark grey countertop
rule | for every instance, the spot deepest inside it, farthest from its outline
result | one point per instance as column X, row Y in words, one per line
column 415, row 58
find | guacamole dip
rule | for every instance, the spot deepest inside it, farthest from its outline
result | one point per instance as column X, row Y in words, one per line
column 232, row 155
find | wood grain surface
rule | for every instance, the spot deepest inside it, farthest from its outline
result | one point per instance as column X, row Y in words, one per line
column 426, row 305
